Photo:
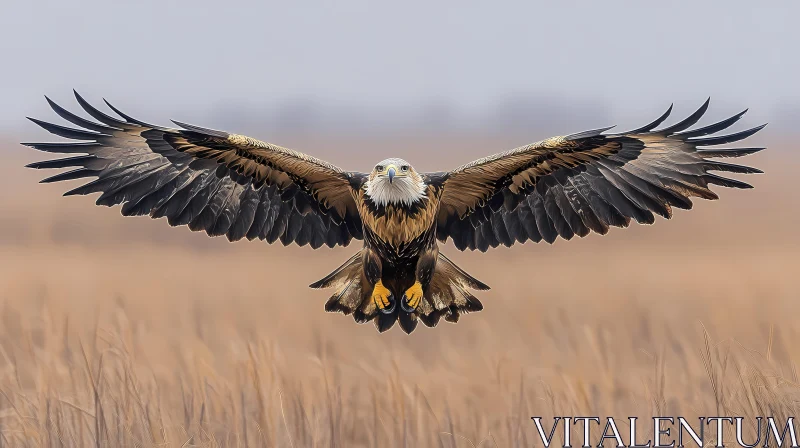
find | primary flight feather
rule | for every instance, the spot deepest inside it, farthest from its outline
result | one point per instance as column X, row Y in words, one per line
column 233, row 185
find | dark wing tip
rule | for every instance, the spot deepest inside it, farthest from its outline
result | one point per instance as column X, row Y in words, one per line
column 726, row 182
column 119, row 112
column 688, row 121
column 712, row 128
column 66, row 132
column 587, row 134
column 319, row 284
column 130, row 119
column 78, row 173
column 202, row 130
column 653, row 124
column 722, row 139
column 78, row 96
column 54, row 105
column 734, row 152
column 97, row 114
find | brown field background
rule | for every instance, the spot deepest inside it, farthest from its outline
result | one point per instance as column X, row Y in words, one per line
column 125, row 332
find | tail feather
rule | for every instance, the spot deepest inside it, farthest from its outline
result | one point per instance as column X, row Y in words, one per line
column 448, row 293
column 343, row 273
column 408, row 321
column 446, row 296
column 430, row 319
column 460, row 275
column 384, row 322
column 335, row 303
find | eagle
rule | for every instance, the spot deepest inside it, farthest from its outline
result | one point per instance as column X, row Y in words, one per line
column 240, row 187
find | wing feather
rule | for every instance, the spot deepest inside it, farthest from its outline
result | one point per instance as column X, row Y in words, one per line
column 221, row 183
column 248, row 203
column 588, row 182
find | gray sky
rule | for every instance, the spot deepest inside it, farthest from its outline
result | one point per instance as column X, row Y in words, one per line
column 446, row 60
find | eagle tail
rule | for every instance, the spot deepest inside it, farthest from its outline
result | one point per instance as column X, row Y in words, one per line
column 351, row 287
column 446, row 296
column 339, row 276
column 353, row 295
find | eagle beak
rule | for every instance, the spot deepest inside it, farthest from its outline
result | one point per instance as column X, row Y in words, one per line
column 391, row 171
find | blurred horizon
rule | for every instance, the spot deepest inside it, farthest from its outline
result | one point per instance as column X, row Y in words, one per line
column 535, row 115
column 543, row 68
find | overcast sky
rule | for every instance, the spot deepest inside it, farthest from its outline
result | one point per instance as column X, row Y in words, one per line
column 204, row 60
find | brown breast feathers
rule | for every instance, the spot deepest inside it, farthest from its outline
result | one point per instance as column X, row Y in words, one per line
column 397, row 225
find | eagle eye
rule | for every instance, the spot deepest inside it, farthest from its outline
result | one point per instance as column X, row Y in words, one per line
column 379, row 167
column 404, row 168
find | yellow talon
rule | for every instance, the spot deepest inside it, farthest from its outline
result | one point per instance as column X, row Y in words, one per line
column 383, row 298
column 413, row 296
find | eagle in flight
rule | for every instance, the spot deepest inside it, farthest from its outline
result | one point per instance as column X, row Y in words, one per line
column 240, row 187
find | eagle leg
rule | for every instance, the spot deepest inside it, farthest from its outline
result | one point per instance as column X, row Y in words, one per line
column 412, row 298
column 383, row 298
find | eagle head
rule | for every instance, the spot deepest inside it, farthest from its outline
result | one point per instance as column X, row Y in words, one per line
column 395, row 182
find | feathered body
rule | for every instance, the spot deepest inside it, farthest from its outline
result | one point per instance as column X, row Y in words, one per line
column 240, row 187
column 400, row 249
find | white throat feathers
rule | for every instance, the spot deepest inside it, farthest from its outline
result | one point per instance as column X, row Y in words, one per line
column 403, row 191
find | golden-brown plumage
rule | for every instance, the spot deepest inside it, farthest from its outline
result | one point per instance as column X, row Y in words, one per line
column 269, row 163
column 233, row 185
column 396, row 225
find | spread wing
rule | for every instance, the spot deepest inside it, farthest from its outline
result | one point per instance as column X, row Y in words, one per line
column 225, row 184
column 587, row 182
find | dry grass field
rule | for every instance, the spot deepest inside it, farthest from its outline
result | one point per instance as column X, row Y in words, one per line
column 125, row 332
